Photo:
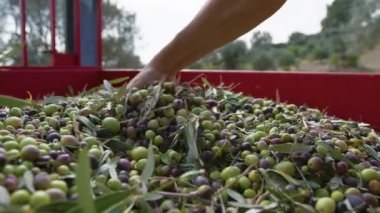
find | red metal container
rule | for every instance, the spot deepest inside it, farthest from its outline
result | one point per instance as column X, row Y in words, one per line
column 345, row 95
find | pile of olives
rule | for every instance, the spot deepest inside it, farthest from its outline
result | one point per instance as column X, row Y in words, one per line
column 213, row 149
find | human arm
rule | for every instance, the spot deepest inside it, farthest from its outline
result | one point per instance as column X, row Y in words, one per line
column 218, row 23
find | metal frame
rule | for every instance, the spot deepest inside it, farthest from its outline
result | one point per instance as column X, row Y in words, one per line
column 68, row 60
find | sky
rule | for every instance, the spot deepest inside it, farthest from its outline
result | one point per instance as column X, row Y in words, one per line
column 159, row 21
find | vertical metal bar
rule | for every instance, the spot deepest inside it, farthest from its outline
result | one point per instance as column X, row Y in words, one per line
column 23, row 33
column 69, row 26
column 99, row 40
column 53, row 28
column 77, row 34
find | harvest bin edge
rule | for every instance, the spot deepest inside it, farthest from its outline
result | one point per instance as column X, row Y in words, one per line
column 345, row 95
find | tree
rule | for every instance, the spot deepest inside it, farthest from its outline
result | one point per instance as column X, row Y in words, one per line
column 233, row 54
column 286, row 59
column 261, row 40
column 338, row 14
column 297, row 38
column 119, row 35
column 263, row 61
column 363, row 28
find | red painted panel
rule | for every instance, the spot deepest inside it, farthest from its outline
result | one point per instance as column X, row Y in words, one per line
column 40, row 82
column 346, row 95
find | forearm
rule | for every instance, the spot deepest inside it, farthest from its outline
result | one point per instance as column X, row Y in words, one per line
column 219, row 22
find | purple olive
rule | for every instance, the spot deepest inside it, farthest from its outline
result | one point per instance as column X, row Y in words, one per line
column 51, row 136
column 265, row 164
column 350, row 181
column 276, row 141
column 56, row 195
column 315, row 163
column 178, row 103
column 370, row 199
column 175, row 172
column 10, row 183
column 201, row 180
column 341, row 168
column 124, row 164
column 217, row 184
column 30, row 152
column 3, row 114
column 42, row 181
column 352, row 157
column 123, row 177
column 206, row 155
column 356, row 201
column 64, row 159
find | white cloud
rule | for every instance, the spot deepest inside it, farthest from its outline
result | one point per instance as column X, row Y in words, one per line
column 159, row 21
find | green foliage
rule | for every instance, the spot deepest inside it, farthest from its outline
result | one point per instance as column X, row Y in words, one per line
column 261, row 40
column 263, row 61
column 338, row 14
column 320, row 51
column 119, row 36
column 232, row 54
column 351, row 60
column 349, row 29
column 286, row 59
column 297, row 38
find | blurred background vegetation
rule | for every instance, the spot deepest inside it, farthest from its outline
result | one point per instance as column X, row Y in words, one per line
column 348, row 41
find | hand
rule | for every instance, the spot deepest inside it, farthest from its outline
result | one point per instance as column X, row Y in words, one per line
column 148, row 76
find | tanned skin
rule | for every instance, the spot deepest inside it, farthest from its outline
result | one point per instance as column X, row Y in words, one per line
column 216, row 24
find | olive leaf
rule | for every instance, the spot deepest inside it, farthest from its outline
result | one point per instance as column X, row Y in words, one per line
column 71, row 91
column 273, row 179
column 236, row 196
column 335, row 182
column 279, row 177
column 192, row 173
column 149, row 168
column 191, row 131
column 206, row 82
column 10, row 101
column 107, row 86
column 166, row 159
column 58, row 207
column 4, row 196
column 288, row 148
column 371, row 151
column 258, row 208
column 104, row 157
column 144, row 206
column 335, row 153
column 10, row 209
column 112, row 203
column 305, row 207
column 87, row 123
column 117, row 146
column 151, row 102
column 114, row 81
column 82, row 179
column 28, row 178
column 52, row 100
column 153, row 197
column 112, row 168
